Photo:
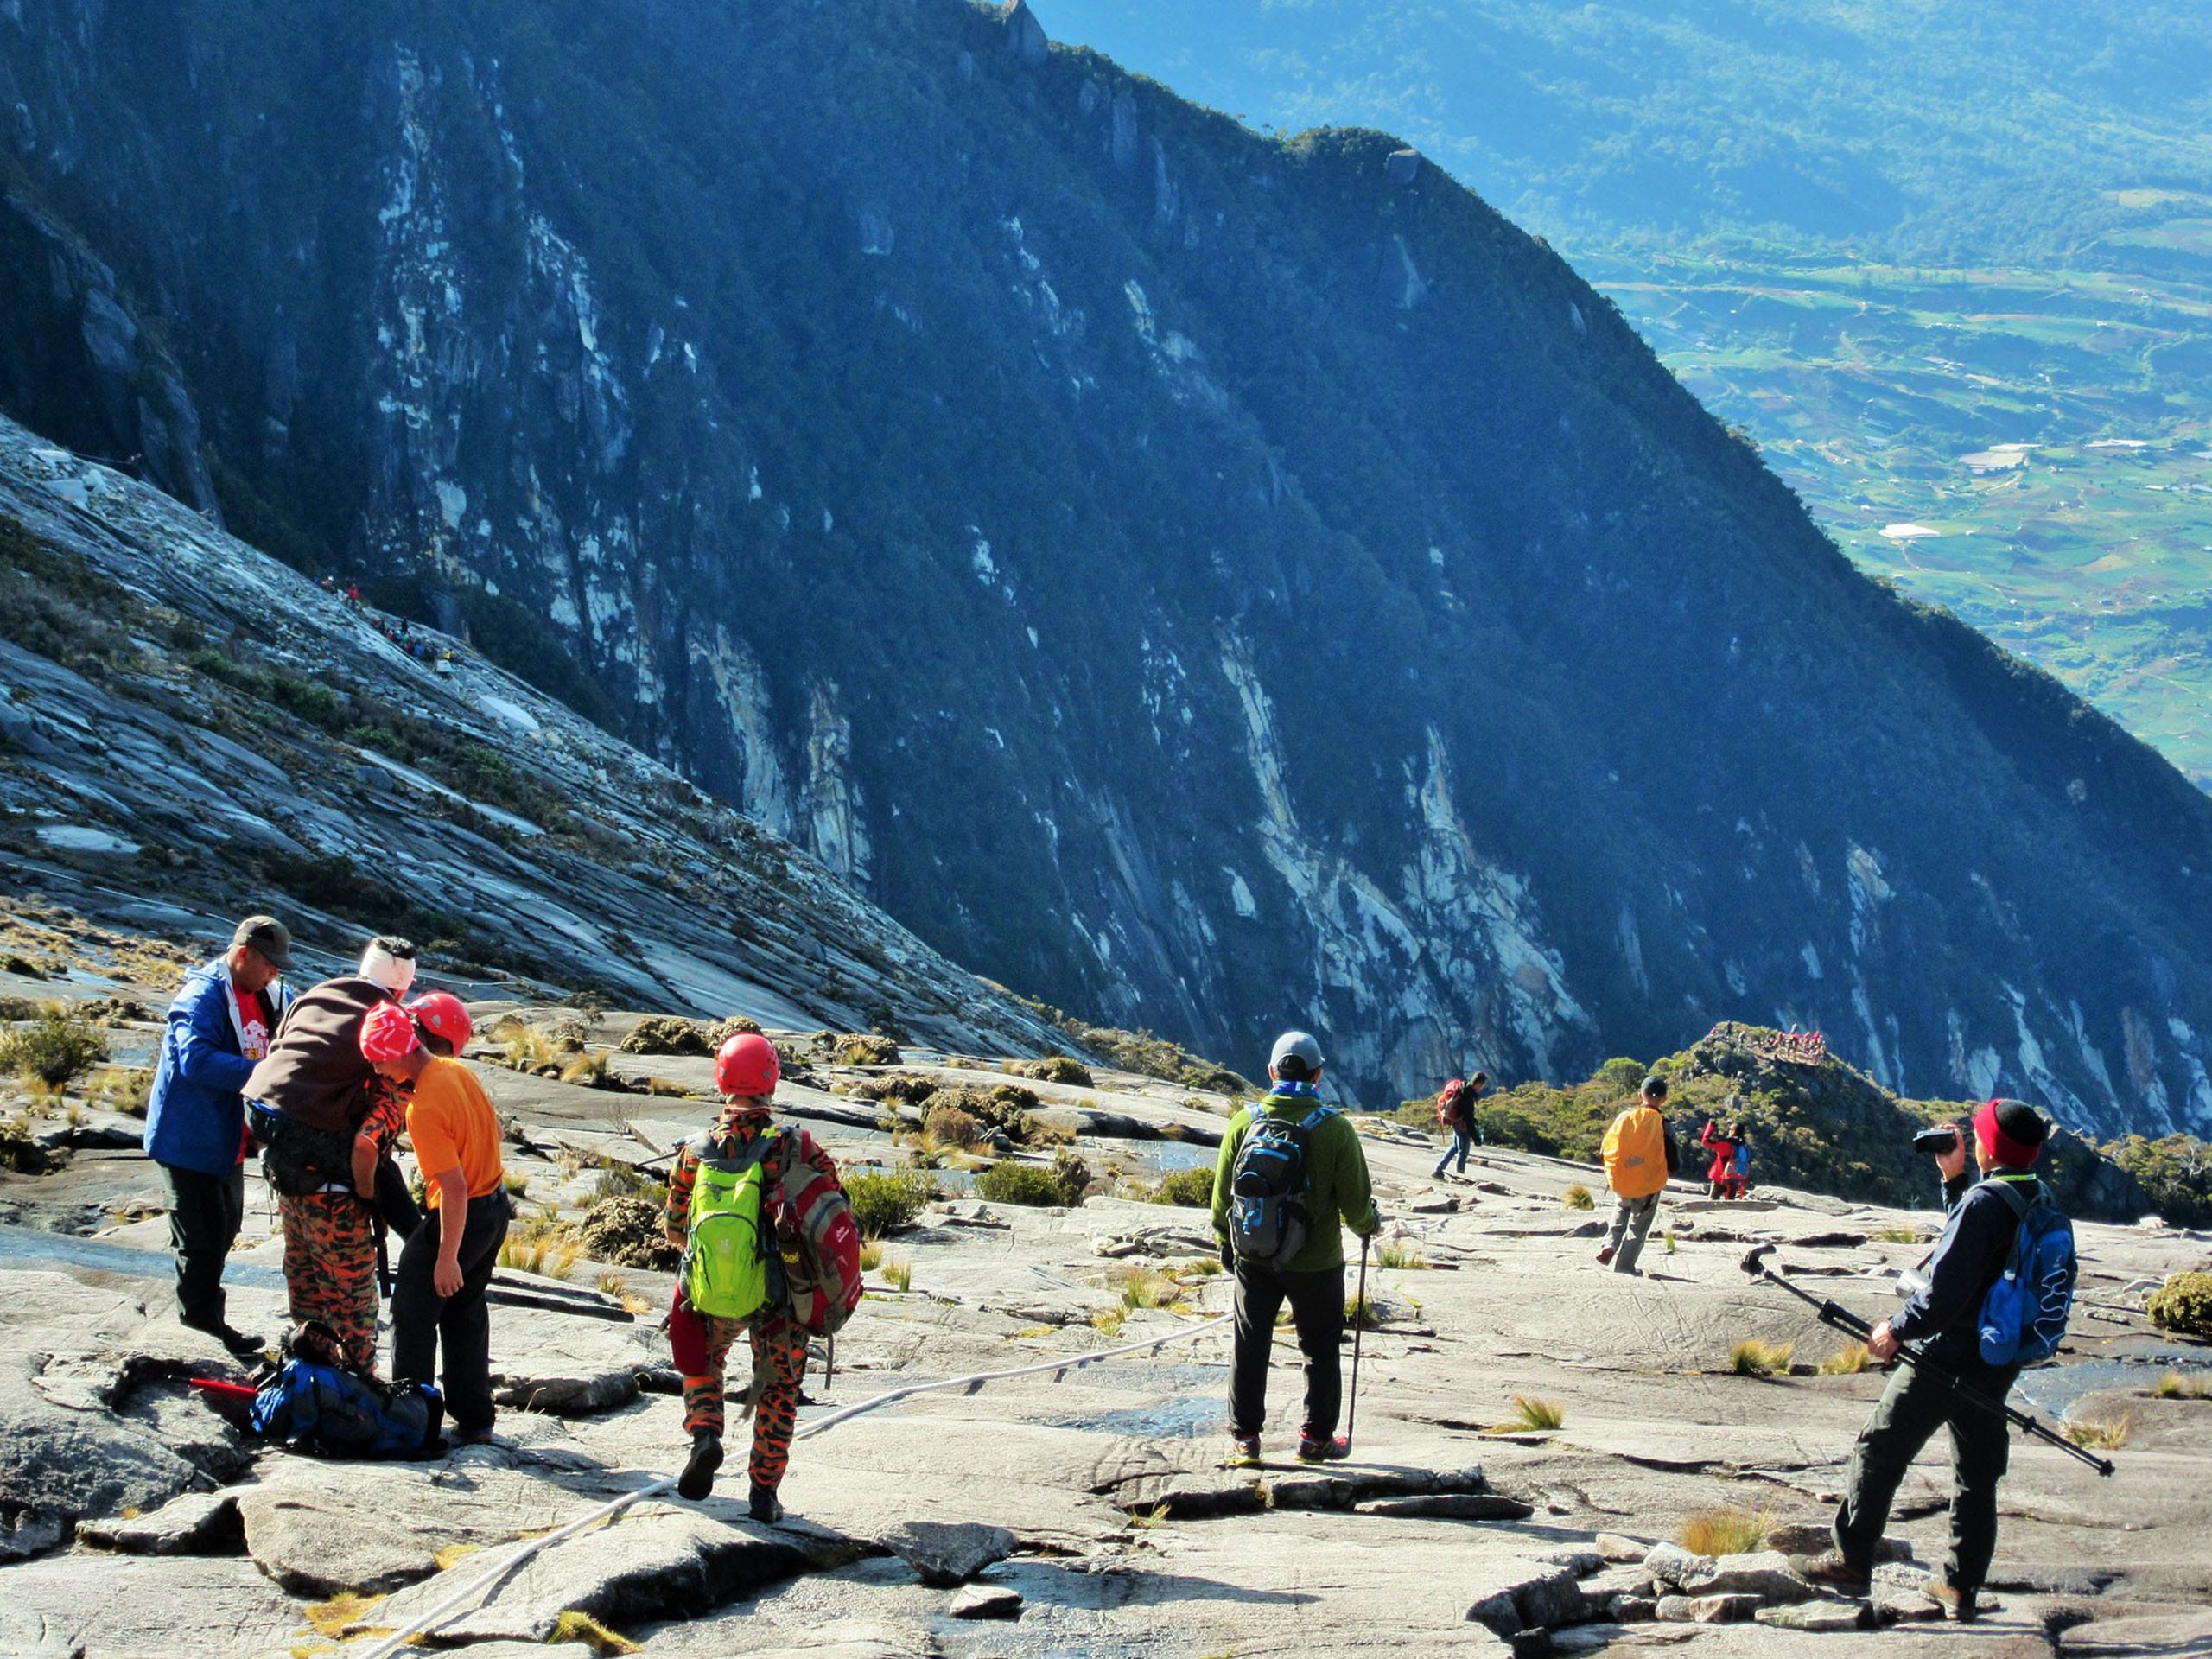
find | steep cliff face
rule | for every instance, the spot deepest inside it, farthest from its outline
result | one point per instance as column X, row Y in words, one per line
column 1210, row 581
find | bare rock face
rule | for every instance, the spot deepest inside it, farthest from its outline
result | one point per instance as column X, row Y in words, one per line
column 1764, row 1573
column 987, row 1601
column 198, row 1523
column 1026, row 40
column 948, row 1553
column 58, row 1467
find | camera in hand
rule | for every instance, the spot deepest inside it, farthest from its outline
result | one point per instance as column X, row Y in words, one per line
column 1943, row 1138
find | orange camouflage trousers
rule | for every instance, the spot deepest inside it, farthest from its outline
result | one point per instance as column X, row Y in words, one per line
column 778, row 1362
column 330, row 1268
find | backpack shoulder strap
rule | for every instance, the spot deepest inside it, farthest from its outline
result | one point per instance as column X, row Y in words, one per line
column 2020, row 1206
column 1313, row 1119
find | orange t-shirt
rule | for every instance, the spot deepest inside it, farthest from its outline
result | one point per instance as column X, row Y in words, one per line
column 452, row 1123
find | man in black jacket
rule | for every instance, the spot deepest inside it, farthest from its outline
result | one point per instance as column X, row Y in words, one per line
column 1944, row 1316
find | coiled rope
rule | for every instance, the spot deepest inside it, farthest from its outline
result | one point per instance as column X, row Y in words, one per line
column 965, row 1385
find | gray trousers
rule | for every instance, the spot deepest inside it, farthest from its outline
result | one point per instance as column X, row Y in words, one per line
column 1632, row 1219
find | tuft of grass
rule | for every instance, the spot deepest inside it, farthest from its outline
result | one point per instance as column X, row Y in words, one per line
column 1144, row 1287
column 1532, row 1414
column 2174, row 1386
column 574, row 1626
column 451, row 1553
column 1108, row 1320
column 1147, row 1519
column 1577, row 1198
column 548, row 1258
column 1396, row 1254
column 515, row 1182
column 332, row 1619
column 1199, row 1267
column 589, row 1071
column 1725, row 1531
column 899, row 1272
column 1847, row 1361
column 1360, row 1311
column 1754, row 1357
column 1901, row 1235
column 871, row 1255
column 125, row 1088
column 2103, row 1431
column 1669, row 1241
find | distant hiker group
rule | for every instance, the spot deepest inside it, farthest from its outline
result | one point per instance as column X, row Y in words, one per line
column 327, row 1082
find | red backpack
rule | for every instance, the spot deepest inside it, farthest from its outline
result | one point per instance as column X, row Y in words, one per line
column 1448, row 1102
column 820, row 1246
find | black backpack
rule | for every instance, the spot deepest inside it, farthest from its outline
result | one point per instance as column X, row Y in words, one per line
column 1268, row 1222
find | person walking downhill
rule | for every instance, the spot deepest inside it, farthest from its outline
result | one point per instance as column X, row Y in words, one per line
column 1639, row 1156
column 324, row 1118
column 719, row 1212
column 445, row 1268
column 1457, row 1111
column 1290, row 1171
column 1945, row 1316
column 217, row 1031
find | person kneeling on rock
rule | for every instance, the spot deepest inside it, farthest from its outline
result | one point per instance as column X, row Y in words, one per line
column 721, row 1212
column 445, row 1268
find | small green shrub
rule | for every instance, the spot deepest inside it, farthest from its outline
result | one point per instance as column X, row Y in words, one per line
column 57, row 1046
column 1054, row 1068
column 626, row 1232
column 2183, row 1305
column 1029, row 1183
column 865, row 1048
column 1577, row 1198
column 945, row 1123
column 660, row 1033
column 1191, row 1188
column 886, row 1200
column 1396, row 1255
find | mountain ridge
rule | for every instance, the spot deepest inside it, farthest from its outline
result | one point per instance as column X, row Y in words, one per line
column 1210, row 583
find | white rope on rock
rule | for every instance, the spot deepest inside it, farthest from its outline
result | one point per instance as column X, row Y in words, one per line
column 970, row 1384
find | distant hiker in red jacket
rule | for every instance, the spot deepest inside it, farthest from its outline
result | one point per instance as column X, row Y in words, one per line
column 1722, row 1174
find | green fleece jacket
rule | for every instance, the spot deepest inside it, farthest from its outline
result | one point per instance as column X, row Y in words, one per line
column 1336, row 1182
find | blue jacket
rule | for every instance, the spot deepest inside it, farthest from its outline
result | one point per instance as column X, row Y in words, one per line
column 195, row 1119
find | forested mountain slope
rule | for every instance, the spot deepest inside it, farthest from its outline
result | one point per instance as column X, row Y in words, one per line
column 1209, row 582
column 1947, row 263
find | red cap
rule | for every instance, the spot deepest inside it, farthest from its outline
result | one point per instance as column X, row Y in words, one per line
column 444, row 1016
column 748, row 1065
column 387, row 1033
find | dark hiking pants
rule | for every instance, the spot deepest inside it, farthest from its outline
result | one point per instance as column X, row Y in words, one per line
column 204, row 1211
column 1317, row 1310
column 421, row 1318
column 1911, row 1409
column 1631, row 1226
column 1463, row 1137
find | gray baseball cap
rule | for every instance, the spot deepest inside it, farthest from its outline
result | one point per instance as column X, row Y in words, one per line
column 1299, row 1047
column 270, row 936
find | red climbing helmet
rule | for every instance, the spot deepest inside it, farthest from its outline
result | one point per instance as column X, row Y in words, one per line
column 748, row 1065
column 387, row 1033
column 445, row 1017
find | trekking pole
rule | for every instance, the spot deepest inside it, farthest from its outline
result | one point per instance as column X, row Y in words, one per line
column 1843, row 1319
column 1359, row 1327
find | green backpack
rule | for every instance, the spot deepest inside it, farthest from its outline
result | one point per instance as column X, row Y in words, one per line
column 725, row 1271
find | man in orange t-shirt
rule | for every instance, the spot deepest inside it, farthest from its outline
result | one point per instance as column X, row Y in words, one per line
column 445, row 1266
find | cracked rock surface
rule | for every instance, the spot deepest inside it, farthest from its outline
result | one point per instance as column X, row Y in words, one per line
column 1084, row 1511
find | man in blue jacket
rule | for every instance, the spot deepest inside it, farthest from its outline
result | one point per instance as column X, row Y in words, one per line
column 218, row 1029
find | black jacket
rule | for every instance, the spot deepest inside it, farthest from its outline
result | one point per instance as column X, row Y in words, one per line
column 1969, row 1258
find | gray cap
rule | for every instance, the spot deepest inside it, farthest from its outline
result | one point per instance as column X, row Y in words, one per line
column 1301, row 1049
column 268, row 936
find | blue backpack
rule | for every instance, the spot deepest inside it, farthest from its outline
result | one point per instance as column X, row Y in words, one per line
column 341, row 1414
column 2024, row 1316
column 1268, row 1221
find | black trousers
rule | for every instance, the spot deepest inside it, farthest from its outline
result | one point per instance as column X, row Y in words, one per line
column 1317, row 1311
column 204, row 1211
column 1911, row 1409
column 421, row 1317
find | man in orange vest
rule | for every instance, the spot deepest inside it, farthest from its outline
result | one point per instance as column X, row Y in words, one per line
column 1639, row 1156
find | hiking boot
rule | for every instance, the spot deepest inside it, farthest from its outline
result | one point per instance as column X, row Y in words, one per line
column 1958, row 1606
column 1831, row 1571
column 1315, row 1448
column 763, row 1505
column 698, row 1476
column 239, row 1342
column 483, row 1436
column 1243, row 1452
column 1605, row 1254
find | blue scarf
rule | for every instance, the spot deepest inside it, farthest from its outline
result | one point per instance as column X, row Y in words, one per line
column 1301, row 1090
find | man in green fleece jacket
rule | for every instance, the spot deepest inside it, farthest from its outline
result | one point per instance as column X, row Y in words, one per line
column 1310, row 1276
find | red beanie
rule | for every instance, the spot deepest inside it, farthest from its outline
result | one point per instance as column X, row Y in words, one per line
column 387, row 1033
column 748, row 1065
column 2011, row 1132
